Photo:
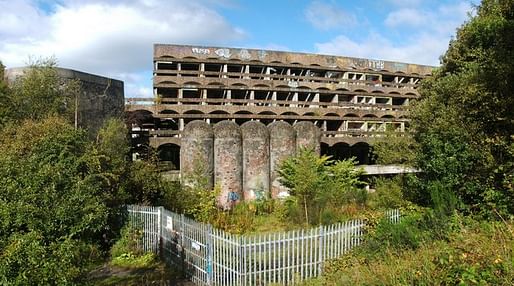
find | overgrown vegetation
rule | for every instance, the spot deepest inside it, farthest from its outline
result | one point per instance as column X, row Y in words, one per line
column 321, row 192
column 61, row 194
column 464, row 123
column 463, row 128
column 476, row 254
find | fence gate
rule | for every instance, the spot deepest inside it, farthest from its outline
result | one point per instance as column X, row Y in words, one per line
column 178, row 240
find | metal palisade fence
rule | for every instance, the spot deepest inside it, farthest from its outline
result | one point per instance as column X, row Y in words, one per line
column 210, row 256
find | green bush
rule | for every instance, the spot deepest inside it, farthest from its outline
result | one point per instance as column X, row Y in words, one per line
column 388, row 193
column 127, row 251
column 475, row 254
column 128, row 243
column 318, row 183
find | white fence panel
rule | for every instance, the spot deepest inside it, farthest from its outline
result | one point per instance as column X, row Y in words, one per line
column 211, row 256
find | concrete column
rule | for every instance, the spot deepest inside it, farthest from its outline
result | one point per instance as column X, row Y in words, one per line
column 282, row 145
column 229, row 96
column 252, row 97
column 228, row 163
column 256, row 166
column 202, row 69
column 204, row 96
column 225, row 69
column 197, row 152
column 180, row 95
column 247, row 71
column 308, row 136
column 295, row 98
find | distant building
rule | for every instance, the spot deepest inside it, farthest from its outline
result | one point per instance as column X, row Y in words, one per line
column 352, row 100
column 101, row 97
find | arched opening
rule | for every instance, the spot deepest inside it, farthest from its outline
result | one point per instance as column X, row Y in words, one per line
column 215, row 120
column 142, row 119
column 189, row 119
column 333, row 125
column 168, row 124
column 363, row 153
column 169, row 156
column 267, row 121
column 339, row 151
column 290, row 121
column 240, row 121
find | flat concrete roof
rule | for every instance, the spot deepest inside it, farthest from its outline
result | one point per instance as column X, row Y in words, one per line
column 13, row 73
column 284, row 57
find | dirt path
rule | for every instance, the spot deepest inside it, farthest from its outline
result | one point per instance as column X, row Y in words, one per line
column 108, row 275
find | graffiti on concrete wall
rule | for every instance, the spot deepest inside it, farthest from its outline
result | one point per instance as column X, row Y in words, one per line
column 376, row 64
column 368, row 64
column 200, row 51
column 244, row 55
column 262, row 55
column 224, row 53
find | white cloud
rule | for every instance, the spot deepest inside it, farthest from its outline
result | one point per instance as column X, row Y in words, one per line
column 406, row 16
column 429, row 36
column 325, row 16
column 423, row 49
column 107, row 37
column 405, row 3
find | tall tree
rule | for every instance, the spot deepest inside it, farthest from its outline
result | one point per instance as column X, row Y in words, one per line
column 464, row 123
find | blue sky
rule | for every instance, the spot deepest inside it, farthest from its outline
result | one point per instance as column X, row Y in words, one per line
column 115, row 37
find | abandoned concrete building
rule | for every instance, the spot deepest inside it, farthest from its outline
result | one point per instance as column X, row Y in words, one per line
column 101, row 97
column 351, row 100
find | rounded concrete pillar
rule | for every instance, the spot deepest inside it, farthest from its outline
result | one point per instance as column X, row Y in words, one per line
column 197, row 152
column 308, row 136
column 282, row 145
column 228, row 169
column 256, row 168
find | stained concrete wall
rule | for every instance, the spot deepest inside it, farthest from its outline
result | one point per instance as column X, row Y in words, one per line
column 244, row 160
column 256, row 161
column 282, row 145
column 197, row 151
column 228, row 169
column 308, row 136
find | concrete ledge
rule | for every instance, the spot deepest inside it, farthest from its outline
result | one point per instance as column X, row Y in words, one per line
column 388, row 169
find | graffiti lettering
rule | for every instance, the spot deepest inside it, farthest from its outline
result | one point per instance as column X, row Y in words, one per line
column 201, row 51
column 262, row 55
column 245, row 55
column 376, row 65
column 224, row 53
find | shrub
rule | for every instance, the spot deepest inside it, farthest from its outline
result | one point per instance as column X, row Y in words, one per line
column 388, row 193
column 317, row 183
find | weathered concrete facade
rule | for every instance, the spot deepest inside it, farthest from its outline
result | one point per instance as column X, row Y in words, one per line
column 256, row 168
column 308, row 136
column 246, row 157
column 282, row 146
column 351, row 100
column 101, row 97
column 197, row 152
column 228, row 167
